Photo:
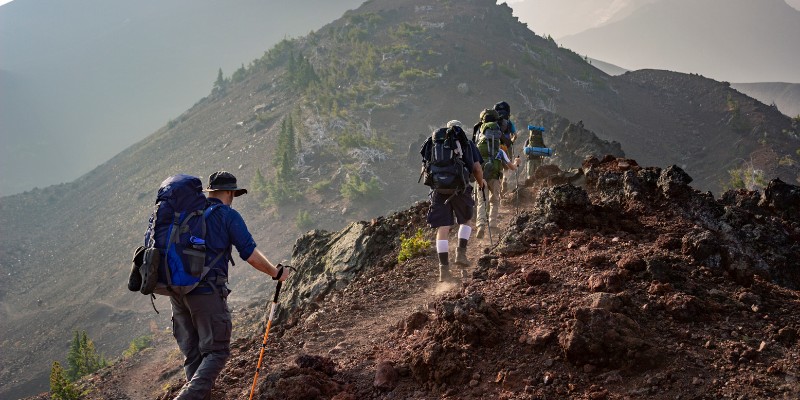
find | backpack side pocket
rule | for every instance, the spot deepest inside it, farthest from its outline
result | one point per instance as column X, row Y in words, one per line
column 135, row 278
column 149, row 269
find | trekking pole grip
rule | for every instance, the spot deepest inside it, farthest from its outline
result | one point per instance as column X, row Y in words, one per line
column 277, row 291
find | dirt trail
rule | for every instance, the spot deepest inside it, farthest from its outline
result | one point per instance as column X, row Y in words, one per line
column 344, row 329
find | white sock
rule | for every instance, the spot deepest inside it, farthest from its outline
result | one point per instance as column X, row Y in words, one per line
column 442, row 246
column 464, row 231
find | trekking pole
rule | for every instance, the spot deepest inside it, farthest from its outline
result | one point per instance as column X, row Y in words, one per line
column 486, row 211
column 516, row 191
column 266, row 332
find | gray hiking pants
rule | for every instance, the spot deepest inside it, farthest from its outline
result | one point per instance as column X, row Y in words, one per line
column 493, row 203
column 531, row 165
column 201, row 323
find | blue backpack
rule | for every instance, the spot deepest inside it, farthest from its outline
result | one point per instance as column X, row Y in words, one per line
column 172, row 261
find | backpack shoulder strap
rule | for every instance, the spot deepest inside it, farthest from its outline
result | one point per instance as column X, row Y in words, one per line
column 425, row 149
column 206, row 213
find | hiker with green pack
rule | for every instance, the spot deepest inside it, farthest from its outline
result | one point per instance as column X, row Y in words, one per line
column 493, row 146
column 509, row 130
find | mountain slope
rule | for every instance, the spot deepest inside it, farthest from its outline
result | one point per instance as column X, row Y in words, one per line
column 360, row 95
column 721, row 39
column 100, row 76
column 786, row 96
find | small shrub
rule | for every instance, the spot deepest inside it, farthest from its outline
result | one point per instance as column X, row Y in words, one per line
column 416, row 73
column 60, row 387
column 413, row 246
column 137, row 345
column 508, row 71
column 746, row 178
column 303, row 220
column 356, row 188
column 321, row 186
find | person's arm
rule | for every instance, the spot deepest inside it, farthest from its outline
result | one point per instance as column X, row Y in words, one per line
column 477, row 172
column 260, row 262
column 508, row 163
column 244, row 243
column 477, row 162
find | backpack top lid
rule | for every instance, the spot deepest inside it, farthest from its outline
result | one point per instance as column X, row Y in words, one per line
column 490, row 126
column 489, row 115
column 182, row 192
column 439, row 135
column 503, row 109
column 455, row 131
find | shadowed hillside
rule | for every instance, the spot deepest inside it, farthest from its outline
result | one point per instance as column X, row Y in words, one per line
column 331, row 121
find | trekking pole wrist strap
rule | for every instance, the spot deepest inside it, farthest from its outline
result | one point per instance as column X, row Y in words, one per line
column 280, row 272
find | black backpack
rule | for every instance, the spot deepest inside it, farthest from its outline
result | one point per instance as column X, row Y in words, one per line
column 444, row 167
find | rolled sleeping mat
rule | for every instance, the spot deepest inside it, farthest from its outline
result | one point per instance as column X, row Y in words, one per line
column 539, row 151
column 535, row 128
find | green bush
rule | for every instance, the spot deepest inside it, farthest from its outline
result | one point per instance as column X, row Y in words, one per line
column 279, row 193
column 746, row 178
column 355, row 188
column 413, row 246
column 508, row 71
column 321, row 186
column 303, row 220
column 416, row 73
column 137, row 345
column 60, row 387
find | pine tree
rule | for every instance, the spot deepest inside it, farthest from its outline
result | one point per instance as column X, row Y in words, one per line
column 60, row 387
column 82, row 358
column 219, row 84
column 285, row 170
column 259, row 184
column 74, row 361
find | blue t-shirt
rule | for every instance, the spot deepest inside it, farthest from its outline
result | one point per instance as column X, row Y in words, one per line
column 225, row 227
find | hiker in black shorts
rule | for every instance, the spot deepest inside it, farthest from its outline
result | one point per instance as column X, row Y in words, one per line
column 450, row 206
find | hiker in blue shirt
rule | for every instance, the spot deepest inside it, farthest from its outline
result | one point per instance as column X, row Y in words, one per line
column 201, row 320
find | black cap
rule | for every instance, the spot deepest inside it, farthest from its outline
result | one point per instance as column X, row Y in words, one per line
column 223, row 180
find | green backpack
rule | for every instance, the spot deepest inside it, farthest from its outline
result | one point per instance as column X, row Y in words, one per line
column 489, row 145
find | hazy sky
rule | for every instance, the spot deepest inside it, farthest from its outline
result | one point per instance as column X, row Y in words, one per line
column 559, row 18
column 78, row 152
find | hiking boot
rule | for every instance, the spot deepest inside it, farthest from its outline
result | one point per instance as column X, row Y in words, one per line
column 444, row 273
column 461, row 258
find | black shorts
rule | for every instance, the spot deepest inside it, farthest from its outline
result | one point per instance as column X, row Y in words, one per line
column 441, row 214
